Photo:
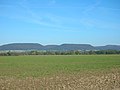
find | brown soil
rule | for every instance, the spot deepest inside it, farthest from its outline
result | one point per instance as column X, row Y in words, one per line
column 78, row 81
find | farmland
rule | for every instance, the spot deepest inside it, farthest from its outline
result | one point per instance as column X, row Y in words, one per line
column 52, row 72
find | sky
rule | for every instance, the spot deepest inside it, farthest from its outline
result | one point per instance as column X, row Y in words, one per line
column 95, row 22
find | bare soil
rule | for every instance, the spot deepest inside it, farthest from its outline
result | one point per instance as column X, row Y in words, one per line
column 102, row 80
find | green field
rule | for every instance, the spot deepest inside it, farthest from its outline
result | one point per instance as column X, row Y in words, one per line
column 51, row 72
column 22, row 66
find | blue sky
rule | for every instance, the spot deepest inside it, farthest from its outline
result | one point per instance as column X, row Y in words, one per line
column 95, row 22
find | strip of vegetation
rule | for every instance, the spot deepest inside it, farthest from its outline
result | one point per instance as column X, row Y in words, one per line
column 71, row 52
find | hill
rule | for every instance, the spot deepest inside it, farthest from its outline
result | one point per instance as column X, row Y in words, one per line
column 22, row 46
column 36, row 46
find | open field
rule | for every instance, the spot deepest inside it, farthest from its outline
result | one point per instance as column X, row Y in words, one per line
column 82, row 72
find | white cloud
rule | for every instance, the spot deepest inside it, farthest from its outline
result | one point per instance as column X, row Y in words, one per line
column 96, row 23
column 91, row 7
column 108, row 8
column 52, row 2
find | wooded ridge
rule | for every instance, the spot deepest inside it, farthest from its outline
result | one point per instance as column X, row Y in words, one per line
column 62, row 47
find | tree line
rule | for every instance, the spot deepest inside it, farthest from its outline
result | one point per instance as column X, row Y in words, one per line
column 72, row 52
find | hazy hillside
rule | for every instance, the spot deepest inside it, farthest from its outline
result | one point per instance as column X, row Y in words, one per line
column 36, row 46
column 21, row 46
column 113, row 47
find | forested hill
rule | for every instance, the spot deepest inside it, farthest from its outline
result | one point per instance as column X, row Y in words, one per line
column 36, row 46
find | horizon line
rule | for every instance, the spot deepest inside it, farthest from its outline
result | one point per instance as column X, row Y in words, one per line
column 54, row 43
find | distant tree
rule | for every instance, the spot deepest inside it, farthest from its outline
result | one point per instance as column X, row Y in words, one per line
column 77, row 52
column 9, row 53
